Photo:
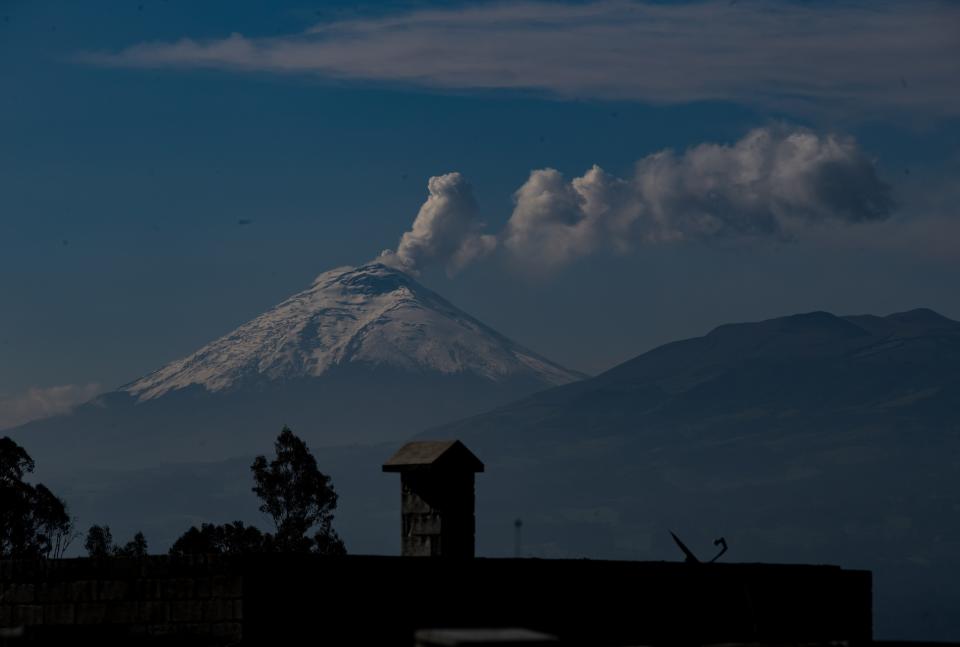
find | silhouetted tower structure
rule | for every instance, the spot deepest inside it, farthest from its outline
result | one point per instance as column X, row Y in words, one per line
column 437, row 498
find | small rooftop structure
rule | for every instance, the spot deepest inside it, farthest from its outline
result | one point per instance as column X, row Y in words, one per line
column 437, row 498
column 446, row 454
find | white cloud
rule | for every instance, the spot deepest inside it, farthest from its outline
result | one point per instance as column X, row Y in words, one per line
column 446, row 231
column 43, row 402
column 556, row 221
column 772, row 183
column 857, row 55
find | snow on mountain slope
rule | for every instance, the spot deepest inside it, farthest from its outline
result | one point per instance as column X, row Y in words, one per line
column 373, row 315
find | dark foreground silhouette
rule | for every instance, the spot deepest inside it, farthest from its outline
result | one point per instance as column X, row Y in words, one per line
column 288, row 599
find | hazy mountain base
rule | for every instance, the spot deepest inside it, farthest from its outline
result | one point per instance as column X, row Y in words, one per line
column 351, row 404
column 895, row 514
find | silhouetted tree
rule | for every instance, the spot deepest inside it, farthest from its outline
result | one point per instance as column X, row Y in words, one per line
column 227, row 539
column 51, row 517
column 298, row 497
column 136, row 547
column 33, row 521
column 99, row 541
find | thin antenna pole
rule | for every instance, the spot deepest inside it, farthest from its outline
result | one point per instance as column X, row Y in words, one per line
column 517, row 540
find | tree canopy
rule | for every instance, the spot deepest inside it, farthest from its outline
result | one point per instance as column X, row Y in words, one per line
column 99, row 541
column 34, row 522
column 136, row 547
column 227, row 539
column 298, row 497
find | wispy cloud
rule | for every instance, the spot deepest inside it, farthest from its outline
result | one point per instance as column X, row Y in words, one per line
column 858, row 55
column 43, row 402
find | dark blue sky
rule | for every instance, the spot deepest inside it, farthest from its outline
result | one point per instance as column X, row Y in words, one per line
column 125, row 169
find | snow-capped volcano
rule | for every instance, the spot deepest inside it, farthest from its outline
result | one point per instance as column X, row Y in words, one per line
column 365, row 354
column 371, row 315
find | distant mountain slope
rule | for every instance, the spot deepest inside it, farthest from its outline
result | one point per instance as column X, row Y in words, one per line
column 754, row 375
column 810, row 438
column 364, row 354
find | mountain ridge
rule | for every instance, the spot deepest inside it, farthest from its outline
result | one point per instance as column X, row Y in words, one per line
column 794, row 359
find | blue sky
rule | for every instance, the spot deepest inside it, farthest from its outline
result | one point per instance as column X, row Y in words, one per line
column 137, row 136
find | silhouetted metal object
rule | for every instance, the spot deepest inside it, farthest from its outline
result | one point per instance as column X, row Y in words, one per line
column 437, row 498
column 719, row 542
column 691, row 558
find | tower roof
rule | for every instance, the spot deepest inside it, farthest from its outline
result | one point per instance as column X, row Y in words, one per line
column 425, row 454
